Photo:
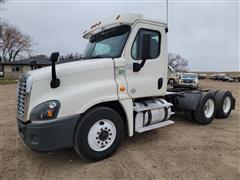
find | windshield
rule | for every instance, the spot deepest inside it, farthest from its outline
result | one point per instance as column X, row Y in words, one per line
column 107, row 44
column 192, row 76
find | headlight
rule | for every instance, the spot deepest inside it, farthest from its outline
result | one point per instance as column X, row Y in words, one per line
column 45, row 111
column 29, row 82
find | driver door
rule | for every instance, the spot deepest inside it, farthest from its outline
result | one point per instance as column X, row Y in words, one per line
column 151, row 80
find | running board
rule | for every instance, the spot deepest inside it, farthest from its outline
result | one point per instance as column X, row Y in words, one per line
column 154, row 126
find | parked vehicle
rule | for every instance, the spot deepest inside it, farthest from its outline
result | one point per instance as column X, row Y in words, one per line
column 189, row 80
column 202, row 76
column 173, row 77
column 228, row 79
column 213, row 76
column 119, row 87
column 219, row 76
column 236, row 78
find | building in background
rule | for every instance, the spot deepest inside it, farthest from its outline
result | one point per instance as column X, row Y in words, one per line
column 12, row 70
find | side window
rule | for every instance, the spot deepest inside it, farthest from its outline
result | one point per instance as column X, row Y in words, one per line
column 154, row 44
column 15, row 68
column 34, row 67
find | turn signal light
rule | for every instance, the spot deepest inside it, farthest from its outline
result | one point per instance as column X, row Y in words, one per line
column 122, row 88
column 50, row 113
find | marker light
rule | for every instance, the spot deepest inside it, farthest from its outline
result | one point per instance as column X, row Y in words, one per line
column 122, row 88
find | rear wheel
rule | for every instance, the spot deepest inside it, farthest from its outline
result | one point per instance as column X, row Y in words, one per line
column 224, row 104
column 207, row 110
column 99, row 133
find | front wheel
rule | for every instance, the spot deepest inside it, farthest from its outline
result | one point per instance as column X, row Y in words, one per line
column 99, row 133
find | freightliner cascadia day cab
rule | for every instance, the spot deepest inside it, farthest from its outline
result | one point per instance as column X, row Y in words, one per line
column 119, row 87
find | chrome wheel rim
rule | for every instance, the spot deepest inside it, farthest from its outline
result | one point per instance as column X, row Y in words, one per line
column 102, row 135
column 226, row 104
column 209, row 108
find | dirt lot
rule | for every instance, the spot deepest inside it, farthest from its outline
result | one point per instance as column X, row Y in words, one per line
column 184, row 150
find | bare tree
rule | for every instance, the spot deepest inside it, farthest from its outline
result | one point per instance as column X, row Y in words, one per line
column 13, row 43
column 177, row 62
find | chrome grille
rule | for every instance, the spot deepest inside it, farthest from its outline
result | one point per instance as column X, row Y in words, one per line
column 21, row 99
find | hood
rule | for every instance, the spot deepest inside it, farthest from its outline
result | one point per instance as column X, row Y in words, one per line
column 188, row 78
column 69, row 68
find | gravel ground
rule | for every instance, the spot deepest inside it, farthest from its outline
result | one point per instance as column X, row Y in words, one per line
column 184, row 150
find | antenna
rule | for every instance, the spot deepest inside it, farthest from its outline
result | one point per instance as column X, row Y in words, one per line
column 167, row 13
column 166, row 29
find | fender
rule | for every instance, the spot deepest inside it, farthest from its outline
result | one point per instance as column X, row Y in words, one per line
column 83, row 85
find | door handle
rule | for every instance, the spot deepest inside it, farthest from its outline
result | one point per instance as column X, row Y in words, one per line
column 160, row 83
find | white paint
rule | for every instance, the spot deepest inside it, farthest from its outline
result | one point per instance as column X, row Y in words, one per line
column 86, row 83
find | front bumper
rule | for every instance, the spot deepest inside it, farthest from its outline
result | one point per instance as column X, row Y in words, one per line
column 187, row 85
column 48, row 135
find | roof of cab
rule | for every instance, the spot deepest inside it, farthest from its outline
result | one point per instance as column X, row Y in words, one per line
column 116, row 21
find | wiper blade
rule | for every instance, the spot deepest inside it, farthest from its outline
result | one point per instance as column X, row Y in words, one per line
column 98, row 56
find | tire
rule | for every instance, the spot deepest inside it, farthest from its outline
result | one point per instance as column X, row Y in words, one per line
column 207, row 109
column 171, row 81
column 225, row 103
column 98, row 134
column 189, row 115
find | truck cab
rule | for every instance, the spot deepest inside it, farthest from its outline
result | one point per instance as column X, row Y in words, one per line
column 118, row 87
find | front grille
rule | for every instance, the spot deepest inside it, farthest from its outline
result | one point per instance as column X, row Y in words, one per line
column 21, row 99
column 187, row 81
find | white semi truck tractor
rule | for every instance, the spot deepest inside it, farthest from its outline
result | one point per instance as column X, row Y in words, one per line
column 118, row 87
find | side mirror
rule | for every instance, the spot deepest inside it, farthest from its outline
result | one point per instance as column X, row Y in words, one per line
column 55, row 82
column 144, row 49
column 54, row 57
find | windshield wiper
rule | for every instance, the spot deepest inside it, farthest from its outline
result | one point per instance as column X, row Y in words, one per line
column 97, row 56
